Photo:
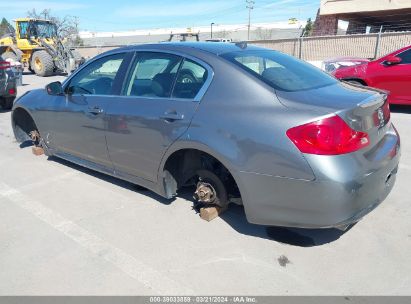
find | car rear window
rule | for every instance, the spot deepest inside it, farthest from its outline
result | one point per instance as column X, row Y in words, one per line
column 280, row 71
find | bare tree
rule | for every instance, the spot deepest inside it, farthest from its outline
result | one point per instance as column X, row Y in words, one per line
column 222, row 34
column 264, row 34
column 67, row 26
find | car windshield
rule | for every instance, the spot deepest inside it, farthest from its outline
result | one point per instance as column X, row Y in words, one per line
column 45, row 29
column 280, row 71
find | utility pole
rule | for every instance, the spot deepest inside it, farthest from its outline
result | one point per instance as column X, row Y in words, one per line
column 250, row 6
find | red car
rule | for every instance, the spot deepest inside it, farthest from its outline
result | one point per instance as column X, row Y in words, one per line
column 391, row 73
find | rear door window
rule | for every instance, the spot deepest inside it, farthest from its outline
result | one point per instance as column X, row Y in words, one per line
column 280, row 71
column 153, row 75
column 190, row 79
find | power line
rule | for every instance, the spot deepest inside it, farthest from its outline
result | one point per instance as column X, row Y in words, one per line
column 250, row 6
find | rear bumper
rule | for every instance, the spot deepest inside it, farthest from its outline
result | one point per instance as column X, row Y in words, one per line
column 5, row 89
column 346, row 188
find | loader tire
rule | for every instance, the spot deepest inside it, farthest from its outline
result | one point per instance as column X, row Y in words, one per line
column 42, row 63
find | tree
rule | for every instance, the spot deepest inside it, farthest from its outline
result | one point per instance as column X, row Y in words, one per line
column 5, row 27
column 292, row 20
column 308, row 28
column 264, row 34
column 222, row 34
column 67, row 26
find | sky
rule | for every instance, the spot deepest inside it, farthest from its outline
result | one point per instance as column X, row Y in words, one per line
column 121, row 15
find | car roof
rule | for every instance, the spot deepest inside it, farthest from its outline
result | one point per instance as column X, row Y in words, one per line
column 216, row 48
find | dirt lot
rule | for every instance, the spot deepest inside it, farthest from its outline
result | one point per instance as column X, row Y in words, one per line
column 65, row 230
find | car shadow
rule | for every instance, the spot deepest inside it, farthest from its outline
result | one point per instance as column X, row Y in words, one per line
column 113, row 180
column 236, row 218
column 400, row 109
column 26, row 144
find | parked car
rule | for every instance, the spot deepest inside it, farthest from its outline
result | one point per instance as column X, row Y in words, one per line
column 220, row 40
column 391, row 73
column 333, row 64
column 297, row 146
column 8, row 85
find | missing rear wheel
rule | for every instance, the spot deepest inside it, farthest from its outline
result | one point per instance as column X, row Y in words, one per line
column 210, row 190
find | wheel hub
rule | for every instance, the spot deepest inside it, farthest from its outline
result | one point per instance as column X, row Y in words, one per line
column 38, row 64
column 205, row 193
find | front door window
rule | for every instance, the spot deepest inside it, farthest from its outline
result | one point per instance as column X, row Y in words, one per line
column 98, row 77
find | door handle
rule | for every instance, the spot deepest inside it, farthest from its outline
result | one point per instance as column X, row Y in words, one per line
column 172, row 116
column 95, row 110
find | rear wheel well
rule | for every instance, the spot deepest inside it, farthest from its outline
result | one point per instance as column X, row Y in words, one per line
column 23, row 124
column 182, row 166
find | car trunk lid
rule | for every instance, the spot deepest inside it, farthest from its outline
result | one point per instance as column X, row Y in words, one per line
column 363, row 109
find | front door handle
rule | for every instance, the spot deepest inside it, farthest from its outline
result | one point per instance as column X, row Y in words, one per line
column 95, row 110
column 172, row 116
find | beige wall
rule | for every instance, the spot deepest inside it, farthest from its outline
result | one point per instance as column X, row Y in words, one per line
column 332, row 7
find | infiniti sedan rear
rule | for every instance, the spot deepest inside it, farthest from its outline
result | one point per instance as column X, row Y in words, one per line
column 237, row 123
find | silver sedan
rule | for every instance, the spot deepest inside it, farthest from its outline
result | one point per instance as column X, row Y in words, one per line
column 238, row 123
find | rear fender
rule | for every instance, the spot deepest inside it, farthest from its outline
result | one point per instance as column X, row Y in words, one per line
column 186, row 143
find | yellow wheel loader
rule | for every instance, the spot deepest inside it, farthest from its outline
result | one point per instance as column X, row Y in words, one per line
column 36, row 44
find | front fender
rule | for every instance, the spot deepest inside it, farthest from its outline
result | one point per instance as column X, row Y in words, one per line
column 39, row 105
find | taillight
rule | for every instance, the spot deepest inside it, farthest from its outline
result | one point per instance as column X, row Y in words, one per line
column 386, row 111
column 328, row 136
column 4, row 65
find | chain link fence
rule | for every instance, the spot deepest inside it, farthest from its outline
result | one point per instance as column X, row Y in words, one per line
column 317, row 48
column 323, row 48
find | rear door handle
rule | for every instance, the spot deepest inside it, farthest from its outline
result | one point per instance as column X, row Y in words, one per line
column 95, row 110
column 172, row 116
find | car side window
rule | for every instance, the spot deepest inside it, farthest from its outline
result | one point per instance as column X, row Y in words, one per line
column 153, row 75
column 405, row 56
column 97, row 78
column 253, row 63
column 190, row 79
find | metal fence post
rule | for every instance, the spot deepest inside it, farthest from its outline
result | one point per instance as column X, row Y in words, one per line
column 300, row 52
column 377, row 45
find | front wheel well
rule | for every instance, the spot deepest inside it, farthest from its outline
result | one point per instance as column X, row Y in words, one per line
column 359, row 80
column 181, row 169
column 23, row 124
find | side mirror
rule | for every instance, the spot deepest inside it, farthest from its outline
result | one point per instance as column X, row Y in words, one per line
column 54, row 88
column 392, row 60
